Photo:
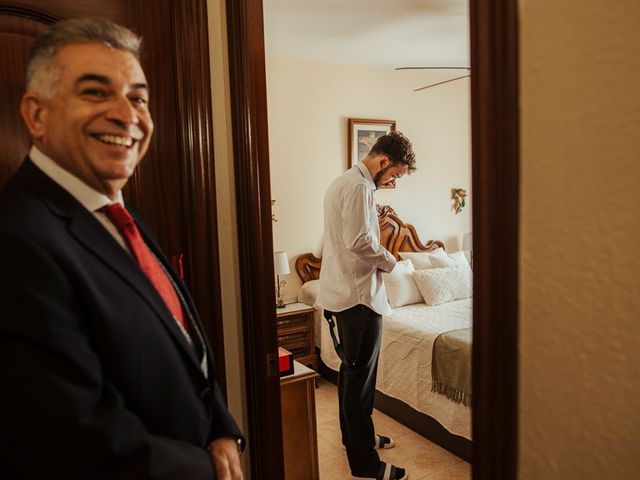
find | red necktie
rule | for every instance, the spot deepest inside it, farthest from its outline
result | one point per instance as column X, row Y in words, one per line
column 146, row 260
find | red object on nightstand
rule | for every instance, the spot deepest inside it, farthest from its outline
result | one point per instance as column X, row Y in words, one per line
column 285, row 362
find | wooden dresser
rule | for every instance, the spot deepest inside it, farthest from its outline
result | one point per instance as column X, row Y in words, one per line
column 299, row 432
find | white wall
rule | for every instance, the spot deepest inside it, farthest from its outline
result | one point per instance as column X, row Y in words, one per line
column 309, row 104
column 580, row 268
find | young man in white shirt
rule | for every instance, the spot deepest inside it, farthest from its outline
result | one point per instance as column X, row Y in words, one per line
column 352, row 291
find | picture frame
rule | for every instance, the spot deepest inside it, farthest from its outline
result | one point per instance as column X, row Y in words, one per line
column 363, row 133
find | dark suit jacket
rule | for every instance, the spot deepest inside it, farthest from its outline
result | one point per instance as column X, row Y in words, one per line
column 96, row 378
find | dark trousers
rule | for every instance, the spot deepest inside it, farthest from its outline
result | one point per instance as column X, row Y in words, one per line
column 360, row 330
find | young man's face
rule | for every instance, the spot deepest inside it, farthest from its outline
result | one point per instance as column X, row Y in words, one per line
column 97, row 124
column 388, row 175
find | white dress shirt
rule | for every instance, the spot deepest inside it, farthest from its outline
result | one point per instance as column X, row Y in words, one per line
column 89, row 198
column 353, row 259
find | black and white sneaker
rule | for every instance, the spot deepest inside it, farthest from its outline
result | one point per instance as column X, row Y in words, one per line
column 387, row 472
column 383, row 443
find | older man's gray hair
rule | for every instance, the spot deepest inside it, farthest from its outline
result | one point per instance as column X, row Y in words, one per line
column 43, row 71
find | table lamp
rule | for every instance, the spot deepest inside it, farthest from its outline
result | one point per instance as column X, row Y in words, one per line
column 281, row 264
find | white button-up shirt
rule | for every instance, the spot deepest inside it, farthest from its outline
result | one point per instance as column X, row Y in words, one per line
column 353, row 259
column 89, row 198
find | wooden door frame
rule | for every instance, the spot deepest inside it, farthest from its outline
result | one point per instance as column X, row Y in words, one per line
column 255, row 244
column 495, row 152
column 496, row 187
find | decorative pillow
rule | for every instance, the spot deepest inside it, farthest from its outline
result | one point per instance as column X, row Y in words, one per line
column 457, row 258
column 442, row 285
column 308, row 292
column 422, row 260
column 399, row 284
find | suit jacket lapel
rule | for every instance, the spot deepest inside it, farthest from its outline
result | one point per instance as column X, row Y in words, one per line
column 152, row 243
column 88, row 231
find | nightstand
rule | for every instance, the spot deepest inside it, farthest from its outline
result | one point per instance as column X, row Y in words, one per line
column 295, row 325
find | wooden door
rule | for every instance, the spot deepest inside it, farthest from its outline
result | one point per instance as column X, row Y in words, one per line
column 174, row 185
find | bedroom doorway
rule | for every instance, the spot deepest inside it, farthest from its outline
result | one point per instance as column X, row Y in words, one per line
column 494, row 87
column 353, row 72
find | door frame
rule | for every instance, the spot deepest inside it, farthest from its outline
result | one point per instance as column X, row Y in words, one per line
column 247, row 78
column 496, row 196
column 495, row 175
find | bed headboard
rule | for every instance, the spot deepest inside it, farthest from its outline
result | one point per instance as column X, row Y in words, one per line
column 395, row 235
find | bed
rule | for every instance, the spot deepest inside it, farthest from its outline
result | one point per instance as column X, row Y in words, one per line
column 404, row 384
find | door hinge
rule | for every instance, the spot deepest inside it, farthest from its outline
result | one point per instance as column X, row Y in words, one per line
column 272, row 365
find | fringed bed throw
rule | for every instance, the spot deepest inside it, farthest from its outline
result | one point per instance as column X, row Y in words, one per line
column 451, row 365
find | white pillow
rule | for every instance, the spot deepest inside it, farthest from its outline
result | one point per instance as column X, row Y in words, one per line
column 442, row 285
column 422, row 260
column 317, row 252
column 457, row 258
column 399, row 284
column 308, row 292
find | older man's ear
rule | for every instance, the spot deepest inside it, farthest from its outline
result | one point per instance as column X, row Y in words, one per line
column 33, row 114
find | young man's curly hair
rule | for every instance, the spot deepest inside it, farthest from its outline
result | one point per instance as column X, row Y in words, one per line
column 398, row 148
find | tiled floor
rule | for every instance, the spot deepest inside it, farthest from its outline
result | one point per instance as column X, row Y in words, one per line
column 422, row 459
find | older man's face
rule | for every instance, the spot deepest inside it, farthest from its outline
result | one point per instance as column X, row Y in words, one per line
column 97, row 124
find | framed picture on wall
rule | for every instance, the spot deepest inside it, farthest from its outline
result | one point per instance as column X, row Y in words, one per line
column 363, row 133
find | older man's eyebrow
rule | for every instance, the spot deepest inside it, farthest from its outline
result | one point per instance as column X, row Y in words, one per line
column 94, row 77
column 137, row 86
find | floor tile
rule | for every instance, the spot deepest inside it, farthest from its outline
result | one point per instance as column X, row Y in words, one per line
column 423, row 459
column 335, row 469
column 461, row 471
column 387, row 426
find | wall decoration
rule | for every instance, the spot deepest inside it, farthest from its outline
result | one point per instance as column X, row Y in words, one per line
column 363, row 134
column 458, row 195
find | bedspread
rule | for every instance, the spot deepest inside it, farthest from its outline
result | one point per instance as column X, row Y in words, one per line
column 404, row 368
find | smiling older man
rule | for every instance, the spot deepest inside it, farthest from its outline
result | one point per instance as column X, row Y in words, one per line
column 104, row 365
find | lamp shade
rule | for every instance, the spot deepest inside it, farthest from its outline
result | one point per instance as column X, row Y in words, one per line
column 281, row 263
column 467, row 241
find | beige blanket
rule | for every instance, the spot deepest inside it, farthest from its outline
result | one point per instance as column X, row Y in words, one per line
column 451, row 365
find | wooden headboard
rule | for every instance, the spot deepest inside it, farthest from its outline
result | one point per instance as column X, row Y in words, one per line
column 395, row 235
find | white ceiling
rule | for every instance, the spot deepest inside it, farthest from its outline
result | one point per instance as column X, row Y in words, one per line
column 384, row 33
